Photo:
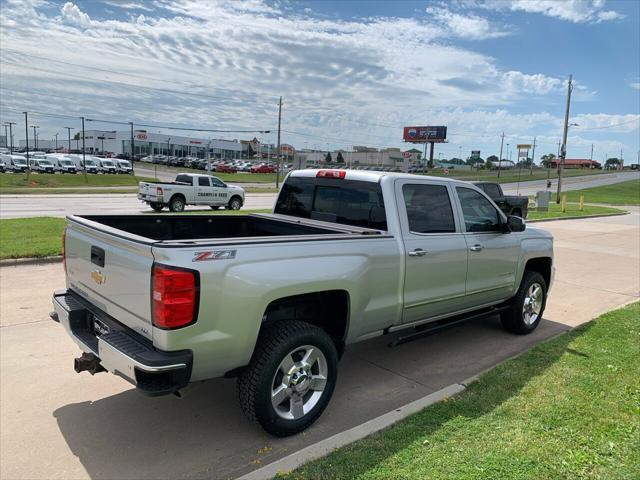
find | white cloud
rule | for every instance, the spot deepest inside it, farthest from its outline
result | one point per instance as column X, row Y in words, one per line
column 470, row 27
column 72, row 14
column 606, row 122
column 635, row 85
column 127, row 5
column 576, row 11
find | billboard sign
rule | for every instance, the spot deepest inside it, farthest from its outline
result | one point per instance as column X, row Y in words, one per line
column 475, row 153
column 523, row 146
column 424, row 134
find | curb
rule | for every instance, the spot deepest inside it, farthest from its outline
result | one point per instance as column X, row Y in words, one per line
column 578, row 217
column 14, row 262
column 326, row 446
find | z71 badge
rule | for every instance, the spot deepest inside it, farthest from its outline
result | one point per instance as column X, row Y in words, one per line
column 214, row 255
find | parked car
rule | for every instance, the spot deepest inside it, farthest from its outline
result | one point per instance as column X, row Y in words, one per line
column 226, row 169
column 107, row 165
column 262, row 169
column 41, row 165
column 15, row 163
column 191, row 189
column 509, row 204
column 63, row 164
column 164, row 301
column 3, row 166
column 123, row 166
column 92, row 165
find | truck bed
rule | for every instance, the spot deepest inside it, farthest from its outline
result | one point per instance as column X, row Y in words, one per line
column 197, row 227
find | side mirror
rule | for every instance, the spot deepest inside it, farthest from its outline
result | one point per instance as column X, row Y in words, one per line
column 515, row 224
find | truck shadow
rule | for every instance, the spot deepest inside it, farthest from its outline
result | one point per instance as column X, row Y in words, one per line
column 204, row 434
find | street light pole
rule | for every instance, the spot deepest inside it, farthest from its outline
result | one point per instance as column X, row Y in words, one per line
column 56, row 135
column 279, row 151
column 11, row 124
column 6, row 135
column 500, row 157
column 35, row 136
column 69, row 137
column 26, row 132
column 563, row 149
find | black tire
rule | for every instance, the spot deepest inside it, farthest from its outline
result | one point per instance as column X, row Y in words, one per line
column 257, row 382
column 514, row 319
column 177, row 203
column 235, row 203
column 157, row 206
column 214, row 207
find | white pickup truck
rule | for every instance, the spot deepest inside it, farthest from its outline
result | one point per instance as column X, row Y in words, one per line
column 191, row 189
column 274, row 299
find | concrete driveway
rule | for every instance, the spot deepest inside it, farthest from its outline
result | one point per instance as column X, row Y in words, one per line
column 57, row 424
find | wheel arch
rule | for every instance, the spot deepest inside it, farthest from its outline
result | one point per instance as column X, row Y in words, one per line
column 542, row 265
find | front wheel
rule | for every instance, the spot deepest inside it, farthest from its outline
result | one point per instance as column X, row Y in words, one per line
column 290, row 379
column 527, row 307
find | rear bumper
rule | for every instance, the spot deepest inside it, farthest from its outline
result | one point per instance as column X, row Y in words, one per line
column 120, row 350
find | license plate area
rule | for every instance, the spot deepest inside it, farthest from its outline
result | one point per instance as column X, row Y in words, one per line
column 98, row 327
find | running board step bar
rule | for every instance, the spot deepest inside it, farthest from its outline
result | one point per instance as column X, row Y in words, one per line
column 448, row 323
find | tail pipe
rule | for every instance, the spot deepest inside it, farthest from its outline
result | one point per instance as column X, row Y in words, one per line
column 88, row 362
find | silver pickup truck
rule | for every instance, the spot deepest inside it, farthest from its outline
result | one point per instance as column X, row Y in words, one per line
column 191, row 189
column 274, row 299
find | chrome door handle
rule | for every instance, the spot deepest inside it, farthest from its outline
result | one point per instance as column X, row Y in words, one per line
column 476, row 248
column 418, row 252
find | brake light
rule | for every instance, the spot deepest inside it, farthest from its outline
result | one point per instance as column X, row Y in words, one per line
column 159, row 191
column 64, row 256
column 331, row 173
column 174, row 297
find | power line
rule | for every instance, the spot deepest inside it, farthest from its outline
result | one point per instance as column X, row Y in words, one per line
column 610, row 126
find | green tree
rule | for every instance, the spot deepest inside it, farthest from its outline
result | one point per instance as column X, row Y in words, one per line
column 456, row 161
column 327, row 157
column 339, row 158
column 492, row 158
column 612, row 162
column 546, row 160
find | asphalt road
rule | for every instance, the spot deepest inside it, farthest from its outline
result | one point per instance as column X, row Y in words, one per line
column 57, row 424
column 60, row 205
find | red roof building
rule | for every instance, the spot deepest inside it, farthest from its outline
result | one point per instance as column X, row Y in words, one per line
column 576, row 163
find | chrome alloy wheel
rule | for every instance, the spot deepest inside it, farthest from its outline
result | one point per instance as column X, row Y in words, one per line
column 299, row 382
column 532, row 304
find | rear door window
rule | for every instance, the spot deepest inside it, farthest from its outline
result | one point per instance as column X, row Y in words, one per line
column 203, row 182
column 428, row 208
column 347, row 202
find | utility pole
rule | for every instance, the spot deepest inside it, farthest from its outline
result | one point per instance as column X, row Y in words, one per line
column 279, row 151
column 26, row 133
column 533, row 156
column 6, row 135
column 591, row 157
column 563, row 149
column 69, row 137
column 500, row 157
column 56, row 135
column 35, row 136
column 11, row 124
column 132, row 146
column 620, row 165
column 84, row 166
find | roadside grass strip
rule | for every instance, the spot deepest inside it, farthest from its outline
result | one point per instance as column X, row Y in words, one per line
column 567, row 408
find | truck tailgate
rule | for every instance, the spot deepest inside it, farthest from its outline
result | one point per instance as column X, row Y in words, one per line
column 111, row 272
column 147, row 191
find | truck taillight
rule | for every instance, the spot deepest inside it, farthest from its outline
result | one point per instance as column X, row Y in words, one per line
column 331, row 174
column 64, row 256
column 159, row 191
column 174, row 296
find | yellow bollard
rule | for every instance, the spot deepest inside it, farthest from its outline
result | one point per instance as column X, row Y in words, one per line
column 564, row 203
column 581, row 202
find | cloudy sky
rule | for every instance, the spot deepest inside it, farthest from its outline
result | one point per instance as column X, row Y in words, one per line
column 350, row 72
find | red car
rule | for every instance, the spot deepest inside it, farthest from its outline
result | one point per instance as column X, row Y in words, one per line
column 226, row 169
column 262, row 169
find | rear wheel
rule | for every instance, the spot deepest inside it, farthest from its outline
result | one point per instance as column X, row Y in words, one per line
column 235, row 203
column 290, row 379
column 156, row 206
column 176, row 204
column 527, row 307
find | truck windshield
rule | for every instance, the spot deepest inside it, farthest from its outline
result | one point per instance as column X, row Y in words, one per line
column 348, row 202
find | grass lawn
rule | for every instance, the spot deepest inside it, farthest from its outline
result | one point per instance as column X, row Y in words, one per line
column 510, row 176
column 30, row 237
column 568, row 408
column 12, row 181
column 624, row 193
column 573, row 210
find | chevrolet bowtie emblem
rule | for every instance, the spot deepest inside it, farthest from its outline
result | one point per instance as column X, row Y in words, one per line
column 98, row 277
